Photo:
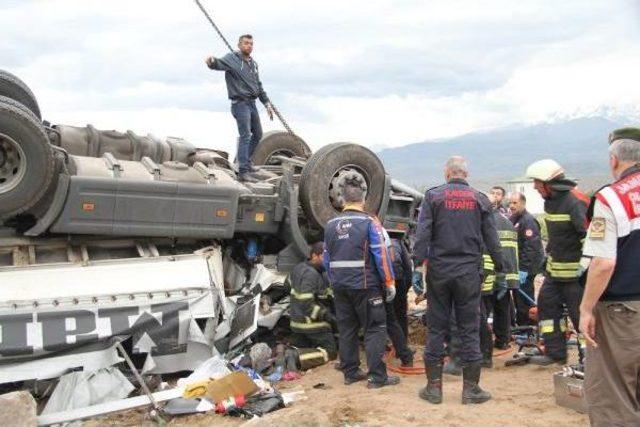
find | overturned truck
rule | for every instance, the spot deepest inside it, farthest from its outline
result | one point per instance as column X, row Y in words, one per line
column 109, row 236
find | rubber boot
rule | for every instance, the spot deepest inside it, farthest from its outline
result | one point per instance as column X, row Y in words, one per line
column 452, row 368
column 471, row 391
column 432, row 393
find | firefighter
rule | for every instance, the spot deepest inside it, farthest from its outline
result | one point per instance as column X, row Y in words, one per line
column 243, row 87
column 530, row 255
column 496, row 286
column 499, row 301
column 455, row 225
column 610, row 309
column 311, row 319
column 359, row 268
column 565, row 209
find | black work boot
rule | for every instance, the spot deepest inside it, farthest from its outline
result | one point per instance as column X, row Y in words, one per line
column 360, row 375
column 544, row 360
column 391, row 380
column 452, row 368
column 432, row 393
column 471, row 391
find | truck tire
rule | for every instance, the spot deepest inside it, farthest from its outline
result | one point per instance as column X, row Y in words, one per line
column 14, row 88
column 26, row 161
column 318, row 180
column 279, row 143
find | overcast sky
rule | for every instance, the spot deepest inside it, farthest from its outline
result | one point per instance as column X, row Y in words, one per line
column 381, row 73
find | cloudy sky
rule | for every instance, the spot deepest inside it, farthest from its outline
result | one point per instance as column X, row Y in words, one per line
column 378, row 72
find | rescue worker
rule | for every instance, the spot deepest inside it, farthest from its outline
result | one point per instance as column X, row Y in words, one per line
column 610, row 309
column 496, row 286
column 243, row 87
column 499, row 301
column 311, row 320
column 400, row 264
column 530, row 255
column 360, row 271
column 403, row 271
column 498, row 194
column 455, row 225
column 565, row 209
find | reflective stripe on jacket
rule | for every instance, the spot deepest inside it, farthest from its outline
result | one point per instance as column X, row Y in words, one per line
column 566, row 227
column 307, row 288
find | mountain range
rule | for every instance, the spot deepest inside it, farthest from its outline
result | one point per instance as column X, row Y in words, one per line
column 499, row 155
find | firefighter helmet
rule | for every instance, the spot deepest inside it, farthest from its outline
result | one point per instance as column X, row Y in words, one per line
column 545, row 170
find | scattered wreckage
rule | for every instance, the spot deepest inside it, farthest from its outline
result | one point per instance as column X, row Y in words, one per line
column 110, row 237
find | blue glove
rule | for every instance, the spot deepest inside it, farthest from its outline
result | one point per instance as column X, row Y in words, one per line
column 523, row 276
column 416, row 283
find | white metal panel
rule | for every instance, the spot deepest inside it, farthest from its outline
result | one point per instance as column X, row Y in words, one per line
column 122, row 277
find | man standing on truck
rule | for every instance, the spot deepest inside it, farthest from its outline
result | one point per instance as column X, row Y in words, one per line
column 243, row 87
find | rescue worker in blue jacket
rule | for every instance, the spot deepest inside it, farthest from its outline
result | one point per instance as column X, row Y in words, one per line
column 565, row 216
column 311, row 319
column 359, row 268
column 456, row 224
column 530, row 255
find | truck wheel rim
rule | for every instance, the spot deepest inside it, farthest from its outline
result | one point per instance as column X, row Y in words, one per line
column 13, row 163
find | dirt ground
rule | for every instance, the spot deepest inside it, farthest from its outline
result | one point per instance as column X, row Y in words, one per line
column 522, row 395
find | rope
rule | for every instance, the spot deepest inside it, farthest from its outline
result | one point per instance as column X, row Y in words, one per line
column 276, row 111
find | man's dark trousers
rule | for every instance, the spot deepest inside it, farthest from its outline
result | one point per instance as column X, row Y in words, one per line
column 323, row 339
column 501, row 309
column 400, row 306
column 552, row 298
column 462, row 295
column 398, row 338
column 522, row 305
column 249, row 129
column 356, row 308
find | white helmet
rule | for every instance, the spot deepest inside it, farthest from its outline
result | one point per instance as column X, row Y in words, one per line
column 544, row 170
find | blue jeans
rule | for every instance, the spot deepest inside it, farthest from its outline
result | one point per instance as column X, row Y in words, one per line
column 250, row 130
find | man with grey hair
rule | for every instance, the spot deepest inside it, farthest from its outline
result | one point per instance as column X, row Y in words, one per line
column 360, row 270
column 610, row 308
column 455, row 227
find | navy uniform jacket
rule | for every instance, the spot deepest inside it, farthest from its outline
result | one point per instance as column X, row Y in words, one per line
column 356, row 255
column 531, row 254
column 456, row 222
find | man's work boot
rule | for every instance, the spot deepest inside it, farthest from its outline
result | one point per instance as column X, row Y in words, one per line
column 432, row 393
column 452, row 368
column 391, row 380
column 359, row 376
column 247, row 177
column 544, row 360
column 487, row 362
column 471, row 391
column 261, row 173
